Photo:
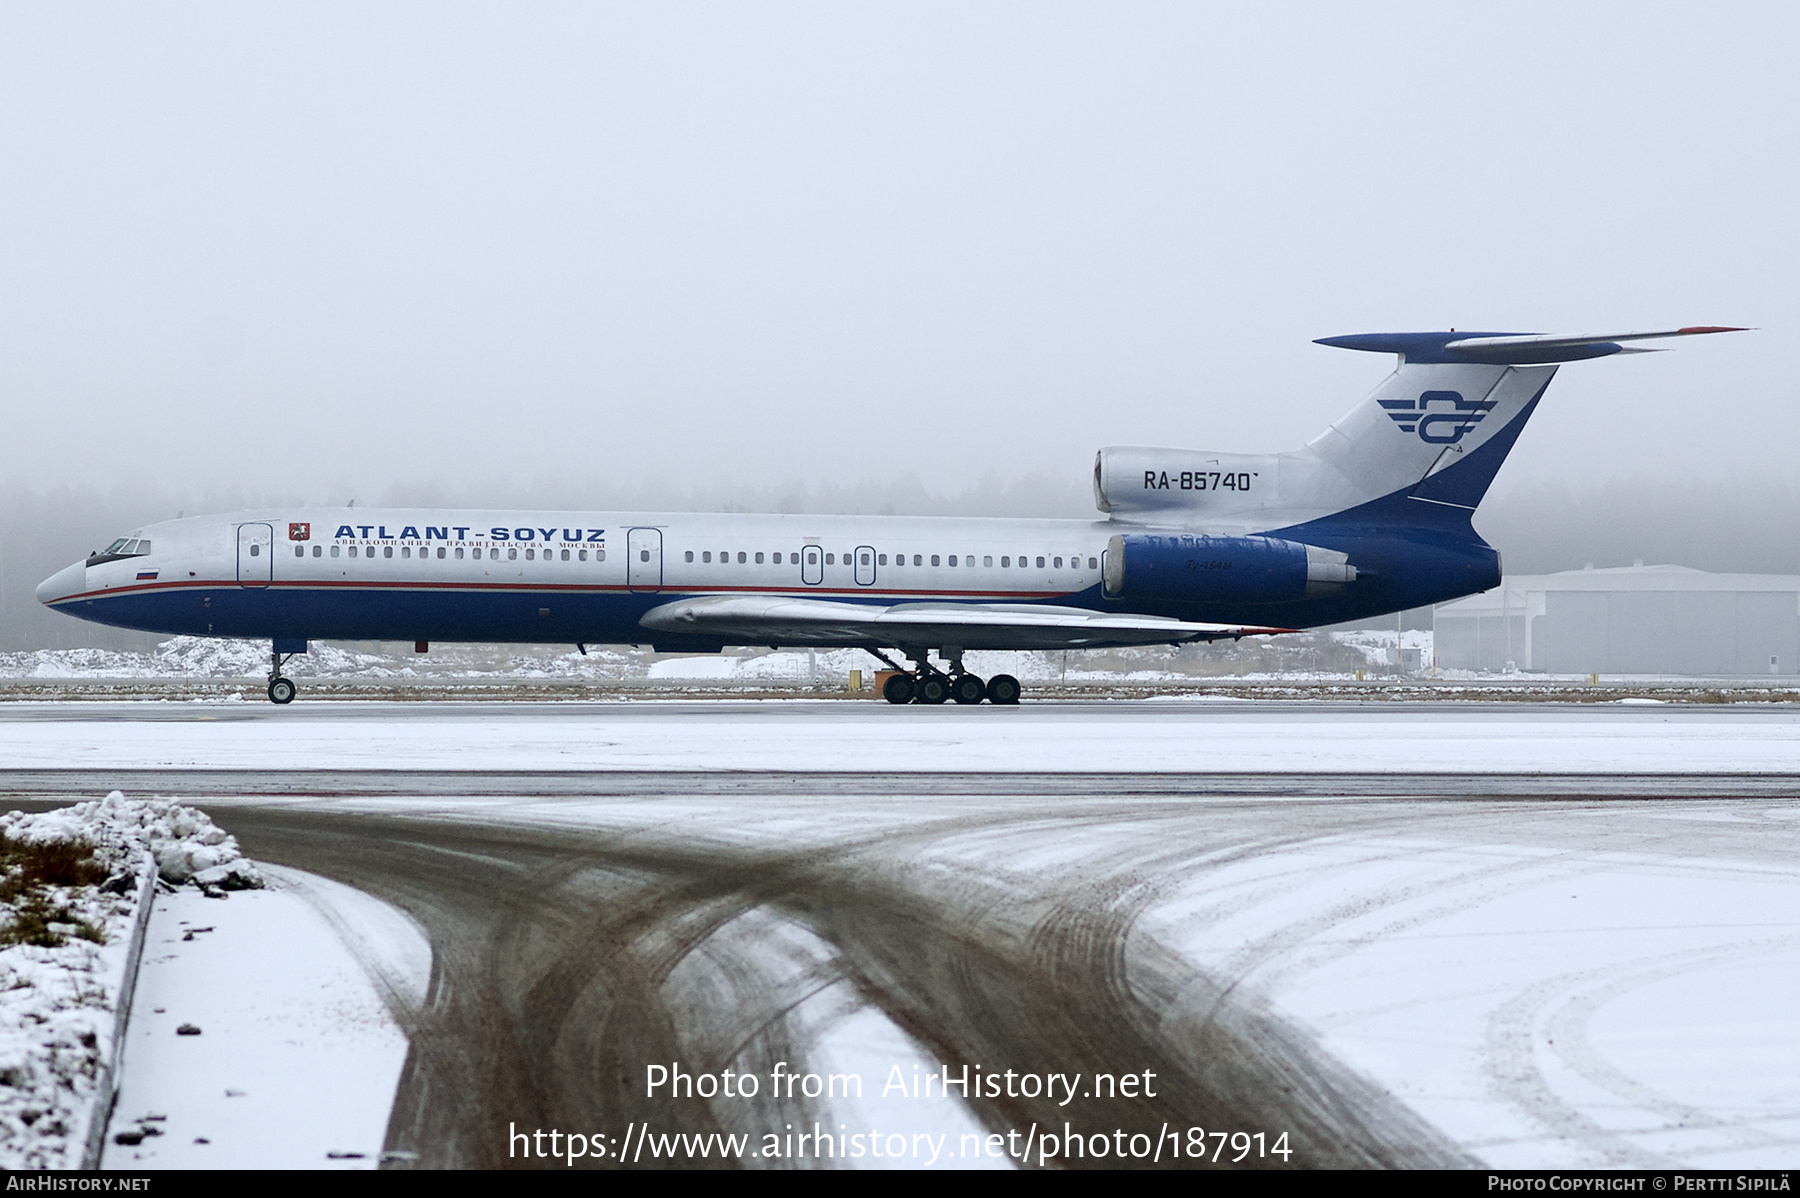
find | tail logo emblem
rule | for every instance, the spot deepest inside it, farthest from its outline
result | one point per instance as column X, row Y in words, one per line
column 1440, row 417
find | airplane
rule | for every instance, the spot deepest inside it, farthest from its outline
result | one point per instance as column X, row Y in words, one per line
column 1371, row 517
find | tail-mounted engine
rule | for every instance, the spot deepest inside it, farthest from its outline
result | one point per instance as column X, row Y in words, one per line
column 1183, row 483
column 1235, row 569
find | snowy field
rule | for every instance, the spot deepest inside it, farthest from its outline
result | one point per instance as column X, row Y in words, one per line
column 1548, row 984
column 1313, row 655
column 1544, row 1008
column 1135, row 738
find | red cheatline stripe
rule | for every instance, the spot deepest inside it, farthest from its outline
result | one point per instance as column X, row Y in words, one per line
column 542, row 588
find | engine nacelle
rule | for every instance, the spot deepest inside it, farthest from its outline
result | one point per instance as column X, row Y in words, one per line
column 1132, row 479
column 1180, row 567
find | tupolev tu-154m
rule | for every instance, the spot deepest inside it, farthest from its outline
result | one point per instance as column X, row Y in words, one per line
column 1371, row 517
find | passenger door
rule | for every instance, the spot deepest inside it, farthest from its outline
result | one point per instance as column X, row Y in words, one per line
column 256, row 555
column 865, row 566
column 812, row 565
column 643, row 560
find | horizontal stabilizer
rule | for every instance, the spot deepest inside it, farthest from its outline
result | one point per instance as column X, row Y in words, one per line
column 1506, row 349
column 777, row 620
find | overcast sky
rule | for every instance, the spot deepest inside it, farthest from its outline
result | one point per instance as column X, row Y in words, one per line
column 325, row 250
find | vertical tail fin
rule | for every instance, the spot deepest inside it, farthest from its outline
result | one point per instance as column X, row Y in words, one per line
column 1435, row 431
column 1440, row 426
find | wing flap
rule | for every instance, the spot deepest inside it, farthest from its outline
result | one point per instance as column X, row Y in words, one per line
column 783, row 620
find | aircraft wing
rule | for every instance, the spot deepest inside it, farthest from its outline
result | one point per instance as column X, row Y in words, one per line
column 782, row 620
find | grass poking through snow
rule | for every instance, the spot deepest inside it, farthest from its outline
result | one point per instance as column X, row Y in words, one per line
column 34, row 882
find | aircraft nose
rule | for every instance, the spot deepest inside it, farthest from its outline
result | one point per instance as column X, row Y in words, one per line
column 70, row 580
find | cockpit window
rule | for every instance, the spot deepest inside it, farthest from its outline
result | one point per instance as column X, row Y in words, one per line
column 123, row 547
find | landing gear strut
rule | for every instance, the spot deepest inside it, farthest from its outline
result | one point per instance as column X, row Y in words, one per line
column 925, row 683
column 281, row 690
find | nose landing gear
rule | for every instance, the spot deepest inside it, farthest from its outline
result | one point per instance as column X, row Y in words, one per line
column 281, row 690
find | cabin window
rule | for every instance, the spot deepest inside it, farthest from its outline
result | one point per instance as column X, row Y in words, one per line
column 599, row 555
column 1006, row 561
column 459, row 553
column 987, row 560
column 865, row 559
column 881, row 559
column 530, row 555
column 318, row 551
column 742, row 556
column 512, row 553
column 581, row 555
column 952, row 560
column 1057, row 563
column 969, row 561
column 1040, row 563
column 255, row 549
column 917, row 560
column 441, row 553
column 565, row 555
column 934, row 559
column 405, row 551
column 775, row 559
column 1093, row 564
column 706, row 556
column 831, row 559
column 690, row 555
column 299, row 551
column 759, row 559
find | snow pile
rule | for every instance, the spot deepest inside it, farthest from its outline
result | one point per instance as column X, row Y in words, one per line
column 207, row 657
column 219, row 657
column 68, row 895
column 185, row 842
column 1307, row 655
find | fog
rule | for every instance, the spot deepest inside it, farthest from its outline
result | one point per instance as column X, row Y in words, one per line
column 910, row 258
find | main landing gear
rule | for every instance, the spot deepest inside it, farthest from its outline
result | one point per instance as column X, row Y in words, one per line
column 281, row 690
column 925, row 683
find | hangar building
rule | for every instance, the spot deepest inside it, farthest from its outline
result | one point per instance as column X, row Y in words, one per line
column 1627, row 620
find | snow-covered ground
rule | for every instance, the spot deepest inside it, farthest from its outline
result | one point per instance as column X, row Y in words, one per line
column 1309, row 654
column 1545, row 1009
column 1178, row 737
column 294, row 992
column 62, row 985
column 1545, row 1003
